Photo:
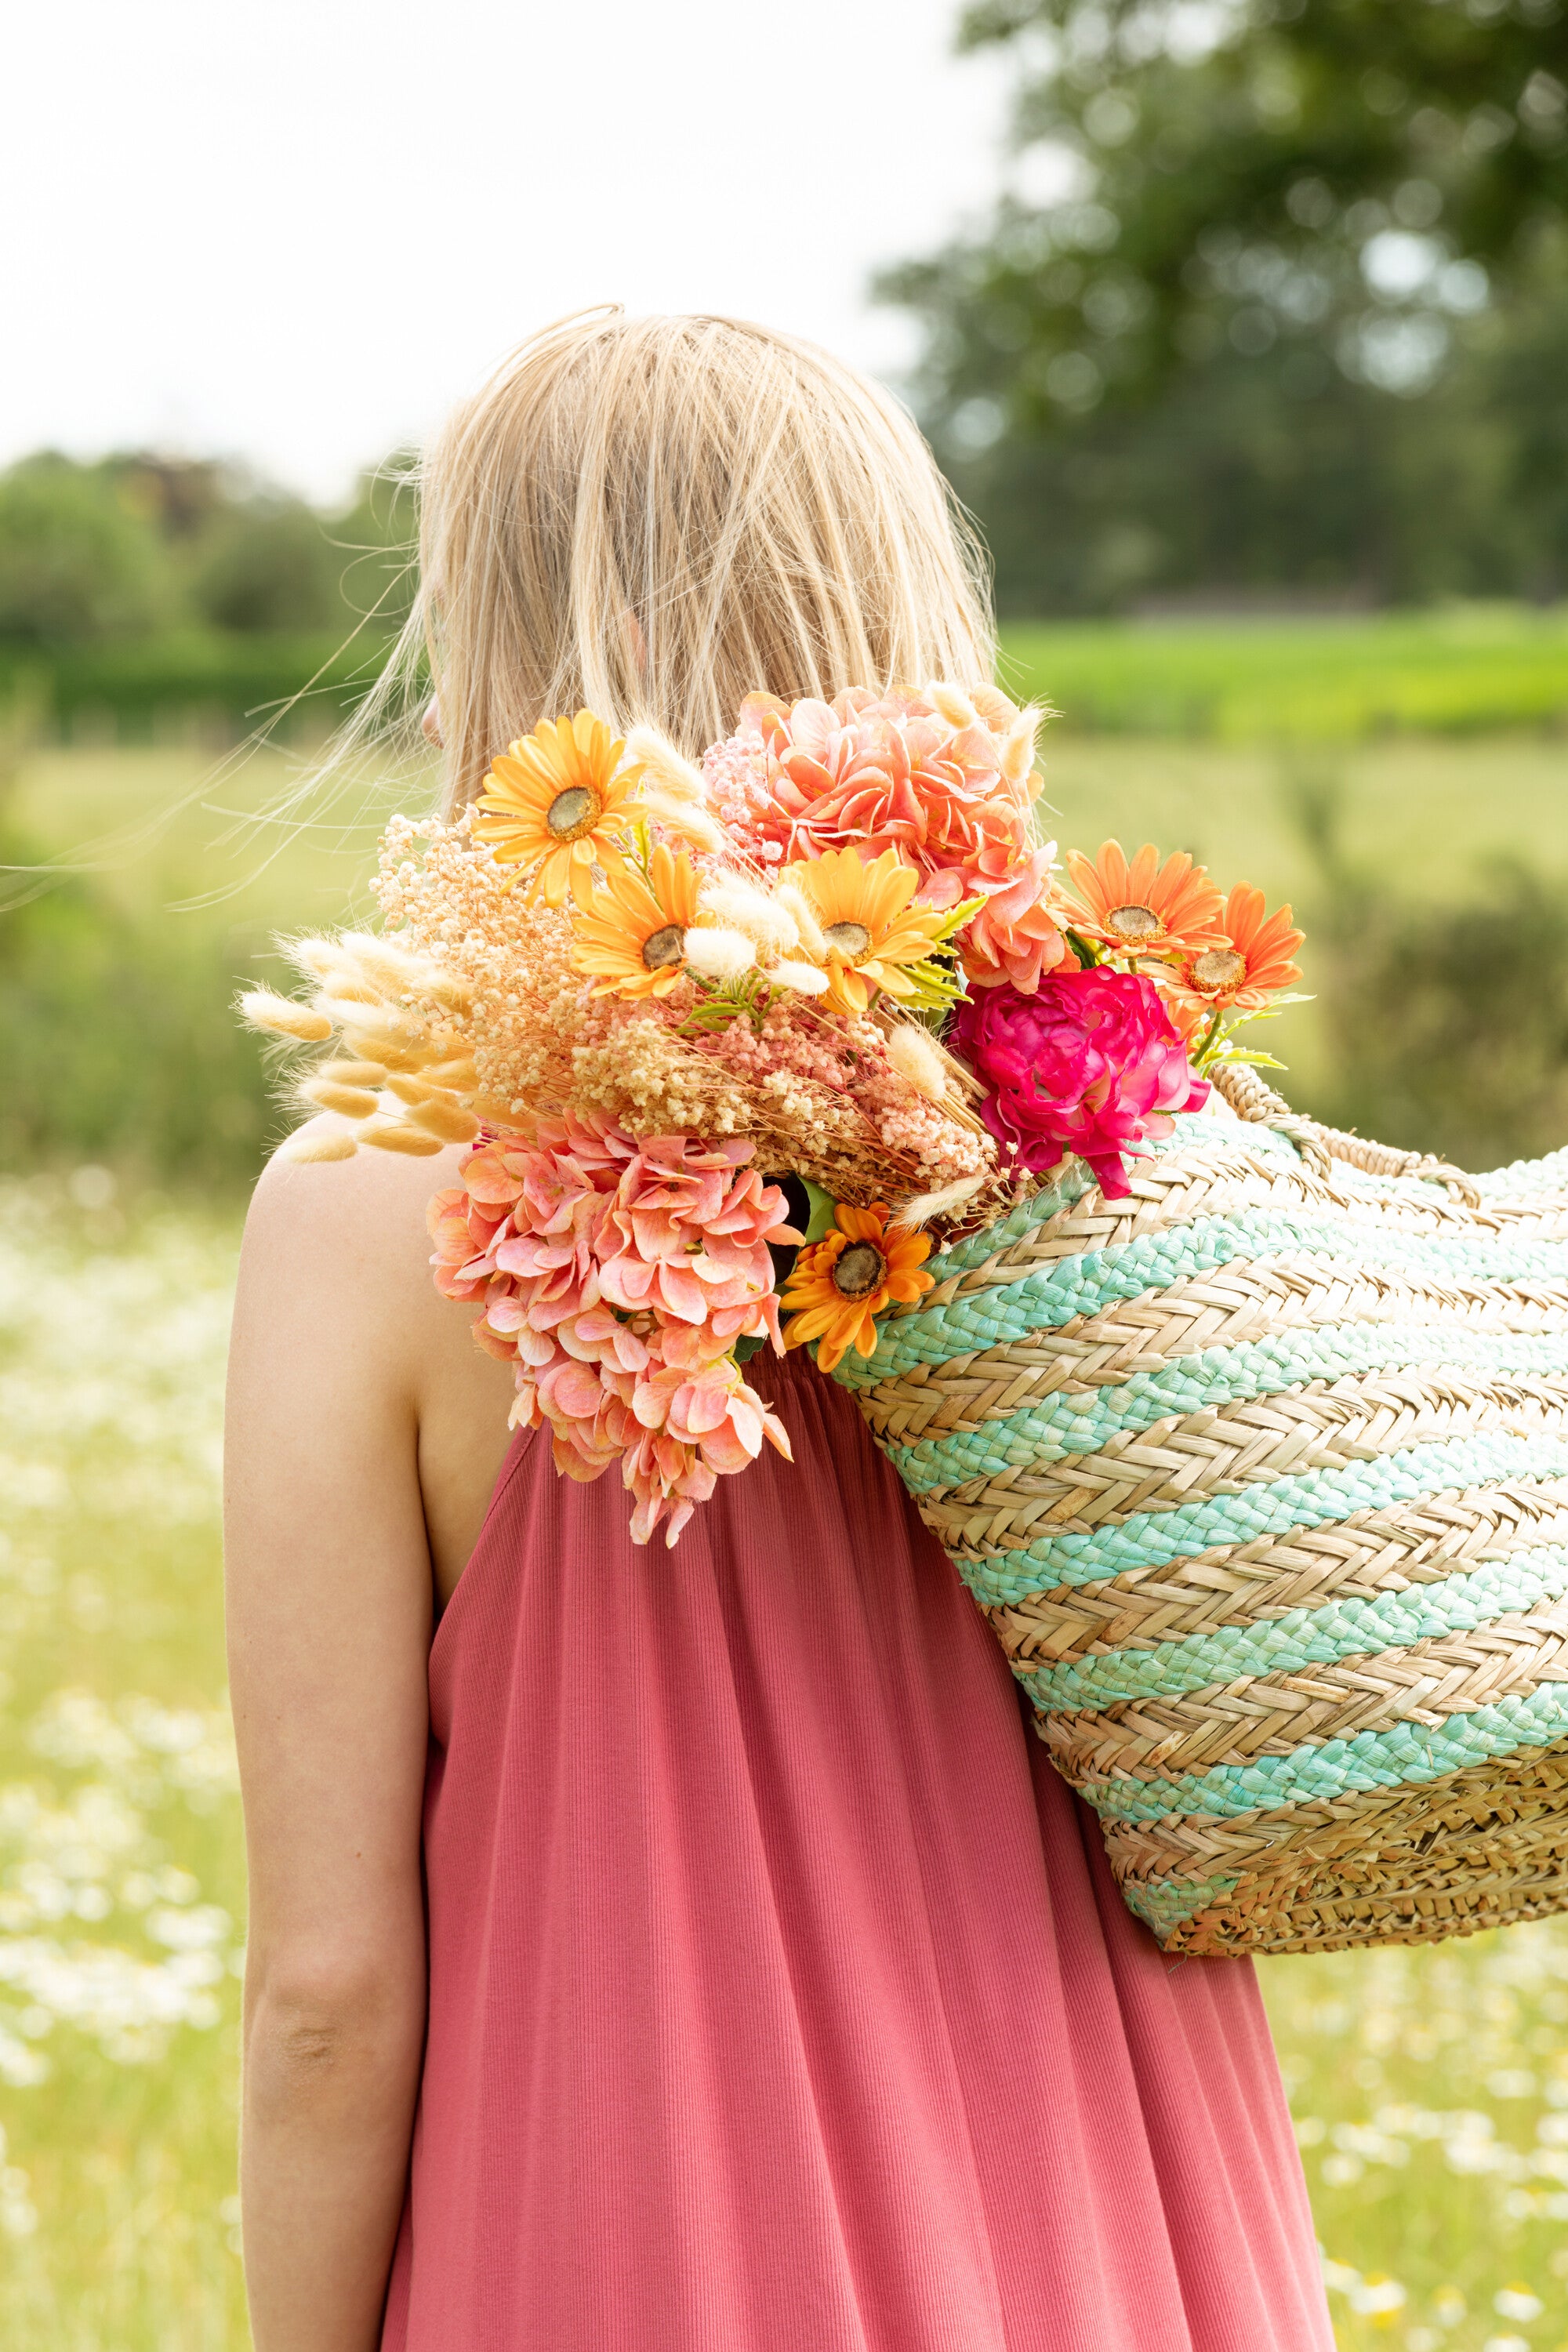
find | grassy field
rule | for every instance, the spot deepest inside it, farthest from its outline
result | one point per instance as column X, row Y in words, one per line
column 1462, row 670
column 1448, row 669
column 1431, row 2089
column 121, row 1874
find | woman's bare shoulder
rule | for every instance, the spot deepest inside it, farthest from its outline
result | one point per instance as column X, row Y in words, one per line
column 346, row 1240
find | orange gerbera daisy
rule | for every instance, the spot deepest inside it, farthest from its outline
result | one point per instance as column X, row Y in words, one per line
column 1142, row 906
column 635, row 935
column 840, row 1284
column 558, row 801
column 870, row 929
column 1251, row 962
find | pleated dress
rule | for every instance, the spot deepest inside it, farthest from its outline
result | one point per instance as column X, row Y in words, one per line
column 781, row 1998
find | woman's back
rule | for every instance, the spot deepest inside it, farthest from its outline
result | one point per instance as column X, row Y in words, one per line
column 779, row 1991
column 674, row 1949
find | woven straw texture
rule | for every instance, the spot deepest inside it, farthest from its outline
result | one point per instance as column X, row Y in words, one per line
column 1261, row 1477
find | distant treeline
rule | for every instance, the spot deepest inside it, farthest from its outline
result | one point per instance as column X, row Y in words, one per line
column 1273, row 303
column 140, row 584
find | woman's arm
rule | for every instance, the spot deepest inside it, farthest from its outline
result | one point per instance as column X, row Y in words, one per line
column 329, row 1612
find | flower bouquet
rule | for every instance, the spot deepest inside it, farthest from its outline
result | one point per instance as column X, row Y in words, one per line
column 1250, row 1440
column 833, row 974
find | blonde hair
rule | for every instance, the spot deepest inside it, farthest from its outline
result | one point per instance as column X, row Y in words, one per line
column 654, row 517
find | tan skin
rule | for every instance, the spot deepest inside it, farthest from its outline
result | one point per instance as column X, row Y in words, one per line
column 365, row 1433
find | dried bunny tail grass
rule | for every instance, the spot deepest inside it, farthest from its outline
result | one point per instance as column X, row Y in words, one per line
column 670, row 772
column 396, row 1135
column 1018, row 746
column 445, row 1117
column 352, row 1074
column 997, row 710
column 349, row 1102
column 685, row 818
column 316, row 959
column 281, row 1016
column 307, row 1147
column 952, row 703
column 718, row 953
column 806, row 979
column 918, row 1058
column 375, row 970
column 792, row 898
column 926, row 1206
column 758, row 913
column 376, row 1041
column 905, row 1035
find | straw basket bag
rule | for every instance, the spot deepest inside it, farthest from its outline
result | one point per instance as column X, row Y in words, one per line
column 1261, row 1477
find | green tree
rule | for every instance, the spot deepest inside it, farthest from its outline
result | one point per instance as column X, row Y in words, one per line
column 1258, row 328
column 80, row 562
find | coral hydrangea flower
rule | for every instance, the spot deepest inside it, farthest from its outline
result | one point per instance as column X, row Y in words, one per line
column 633, row 933
column 872, row 932
column 949, row 787
column 558, row 802
column 616, row 1277
column 1089, row 1064
column 1140, row 906
column 1016, row 937
column 1251, row 961
column 840, row 1284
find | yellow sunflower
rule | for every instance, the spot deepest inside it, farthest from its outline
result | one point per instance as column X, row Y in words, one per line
column 869, row 927
column 840, row 1284
column 558, row 802
column 634, row 936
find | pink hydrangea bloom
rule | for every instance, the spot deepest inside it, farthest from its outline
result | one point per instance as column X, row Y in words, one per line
column 616, row 1275
column 1089, row 1064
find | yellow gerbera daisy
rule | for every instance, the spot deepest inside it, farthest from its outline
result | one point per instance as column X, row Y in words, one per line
column 635, row 935
column 558, row 801
column 840, row 1284
column 869, row 927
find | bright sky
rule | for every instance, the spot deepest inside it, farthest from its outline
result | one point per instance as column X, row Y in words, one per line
column 294, row 230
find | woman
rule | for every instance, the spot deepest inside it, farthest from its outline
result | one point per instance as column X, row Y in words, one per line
column 678, row 1951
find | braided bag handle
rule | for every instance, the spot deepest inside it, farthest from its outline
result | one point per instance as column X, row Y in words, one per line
column 1251, row 1098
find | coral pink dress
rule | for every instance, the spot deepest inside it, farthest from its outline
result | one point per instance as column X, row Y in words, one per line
column 781, row 1999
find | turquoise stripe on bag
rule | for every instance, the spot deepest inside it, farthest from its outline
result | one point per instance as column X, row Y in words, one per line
column 1088, row 1284
column 1523, row 1177
column 1164, row 1903
column 1410, row 1753
column 1199, row 1131
column 1063, row 1426
column 1350, row 1628
column 1311, row 1498
column 1068, row 1190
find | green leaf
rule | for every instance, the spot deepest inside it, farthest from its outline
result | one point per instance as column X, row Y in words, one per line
column 822, row 1208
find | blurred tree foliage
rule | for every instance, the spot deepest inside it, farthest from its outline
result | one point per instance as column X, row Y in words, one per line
column 136, row 548
column 1446, row 1026
column 1277, row 296
column 79, row 564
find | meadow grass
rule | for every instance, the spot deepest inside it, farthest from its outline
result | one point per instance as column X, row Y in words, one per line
column 1461, row 669
column 121, row 1870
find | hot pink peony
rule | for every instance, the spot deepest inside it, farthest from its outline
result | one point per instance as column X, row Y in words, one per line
column 1088, row 1064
